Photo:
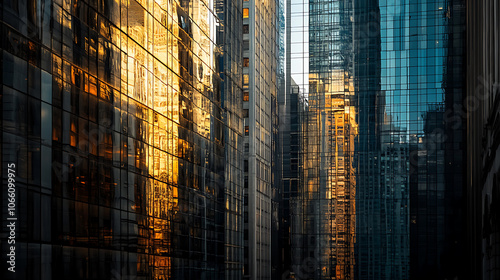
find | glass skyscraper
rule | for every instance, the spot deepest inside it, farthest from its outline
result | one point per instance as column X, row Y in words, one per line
column 123, row 119
column 483, row 128
column 230, row 39
column 245, row 139
column 260, row 92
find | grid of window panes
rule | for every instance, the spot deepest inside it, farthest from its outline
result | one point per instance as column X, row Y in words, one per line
column 407, row 62
column 382, row 154
column 297, row 73
column 230, row 38
column 276, row 162
column 292, row 111
column 260, row 86
column 112, row 113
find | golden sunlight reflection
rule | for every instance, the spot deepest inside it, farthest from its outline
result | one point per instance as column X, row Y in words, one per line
column 332, row 131
column 169, row 66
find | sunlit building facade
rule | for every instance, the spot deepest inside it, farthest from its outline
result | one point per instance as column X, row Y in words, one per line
column 123, row 119
column 292, row 109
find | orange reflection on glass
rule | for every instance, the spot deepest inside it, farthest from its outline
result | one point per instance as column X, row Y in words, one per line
column 332, row 125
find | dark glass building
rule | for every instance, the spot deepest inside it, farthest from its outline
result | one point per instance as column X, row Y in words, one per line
column 483, row 128
column 327, row 193
column 261, row 83
column 123, row 120
column 382, row 195
column 292, row 112
column 230, row 38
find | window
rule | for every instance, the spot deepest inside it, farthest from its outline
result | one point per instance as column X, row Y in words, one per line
column 246, row 62
column 245, row 97
column 245, row 113
column 245, row 13
column 245, row 79
column 246, row 130
column 245, row 29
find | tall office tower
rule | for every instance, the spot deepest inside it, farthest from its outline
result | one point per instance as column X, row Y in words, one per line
column 409, row 73
column 437, row 206
column 230, row 39
column 382, row 193
column 293, row 138
column 290, row 109
column 260, row 89
column 114, row 122
column 292, row 115
column 277, row 265
column 327, row 230
column 483, row 151
column 382, row 189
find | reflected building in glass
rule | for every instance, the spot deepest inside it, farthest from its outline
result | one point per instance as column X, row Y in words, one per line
column 230, row 37
column 381, row 194
column 410, row 200
column 123, row 121
column 323, row 224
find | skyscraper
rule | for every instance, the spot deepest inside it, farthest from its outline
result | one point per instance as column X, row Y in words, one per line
column 260, row 91
column 382, row 195
column 420, row 197
column 122, row 119
column 293, row 108
column 329, row 185
column 230, row 38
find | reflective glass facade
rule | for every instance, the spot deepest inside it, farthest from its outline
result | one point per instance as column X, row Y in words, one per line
column 422, row 54
column 181, row 139
column 229, row 37
column 382, row 190
column 124, row 121
column 324, row 224
column 291, row 115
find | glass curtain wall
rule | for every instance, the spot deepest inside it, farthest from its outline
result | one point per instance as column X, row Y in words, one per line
column 260, row 93
column 410, row 155
column 381, row 192
column 113, row 113
column 327, row 209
